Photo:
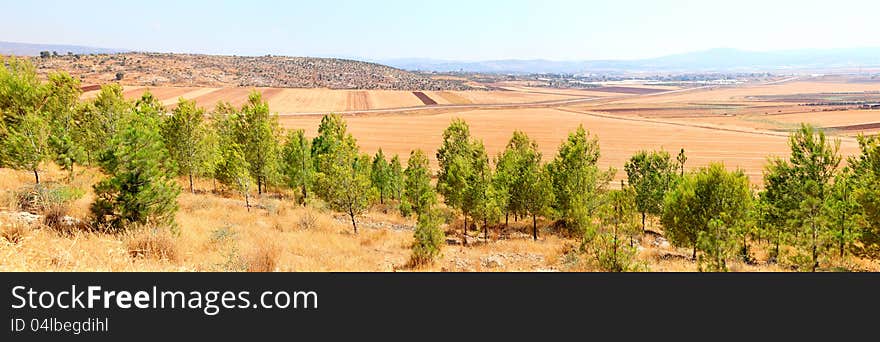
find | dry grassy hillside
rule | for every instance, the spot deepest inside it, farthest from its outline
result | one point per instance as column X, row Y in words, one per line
column 217, row 233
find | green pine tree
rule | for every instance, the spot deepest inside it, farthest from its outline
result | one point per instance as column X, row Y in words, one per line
column 139, row 188
column 297, row 165
column 185, row 135
column 380, row 175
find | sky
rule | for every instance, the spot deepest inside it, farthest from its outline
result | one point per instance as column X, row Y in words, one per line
column 445, row 29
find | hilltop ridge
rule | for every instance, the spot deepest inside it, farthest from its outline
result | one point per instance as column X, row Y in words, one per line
column 164, row 69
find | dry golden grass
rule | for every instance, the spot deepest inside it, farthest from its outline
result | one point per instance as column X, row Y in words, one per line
column 151, row 242
column 13, row 232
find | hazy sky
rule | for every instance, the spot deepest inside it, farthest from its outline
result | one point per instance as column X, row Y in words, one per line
column 445, row 29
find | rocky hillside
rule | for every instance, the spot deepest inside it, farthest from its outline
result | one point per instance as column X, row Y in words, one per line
column 165, row 69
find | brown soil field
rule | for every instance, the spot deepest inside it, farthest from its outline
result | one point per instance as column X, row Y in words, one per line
column 427, row 100
column 357, row 100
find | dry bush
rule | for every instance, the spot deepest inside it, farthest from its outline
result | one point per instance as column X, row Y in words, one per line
column 14, row 232
column 308, row 219
column 42, row 197
column 272, row 206
column 57, row 218
column 149, row 242
column 264, row 258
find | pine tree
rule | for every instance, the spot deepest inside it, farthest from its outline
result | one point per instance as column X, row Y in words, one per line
column 297, row 165
column 866, row 191
column 529, row 191
column 138, row 189
column 797, row 192
column 21, row 92
column 331, row 132
column 650, row 175
column 844, row 210
column 345, row 182
column 380, row 175
column 257, row 132
column 395, row 178
column 455, row 160
column 185, row 136
column 480, row 198
column 428, row 239
column 149, row 105
column 343, row 176
column 419, row 195
column 539, row 189
column 102, row 118
column 708, row 194
column 613, row 245
column 22, row 98
column 578, row 183
column 27, row 144
column 62, row 106
column 233, row 170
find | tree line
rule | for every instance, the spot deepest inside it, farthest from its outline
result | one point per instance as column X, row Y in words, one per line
column 808, row 209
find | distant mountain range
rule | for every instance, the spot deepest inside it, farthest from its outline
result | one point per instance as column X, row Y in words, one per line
column 26, row 49
column 714, row 60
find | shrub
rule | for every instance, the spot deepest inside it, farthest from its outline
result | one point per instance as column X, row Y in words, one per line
column 55, row 217
column 42, row 197
column 222, row 235
column 405, row 208
column 151, row 242
column 614, row 255
column 429, row 239
column 308, row 219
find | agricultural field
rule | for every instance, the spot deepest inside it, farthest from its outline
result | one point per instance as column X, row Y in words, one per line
column 739, row 125
column 316, row 101
column 619, row 138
